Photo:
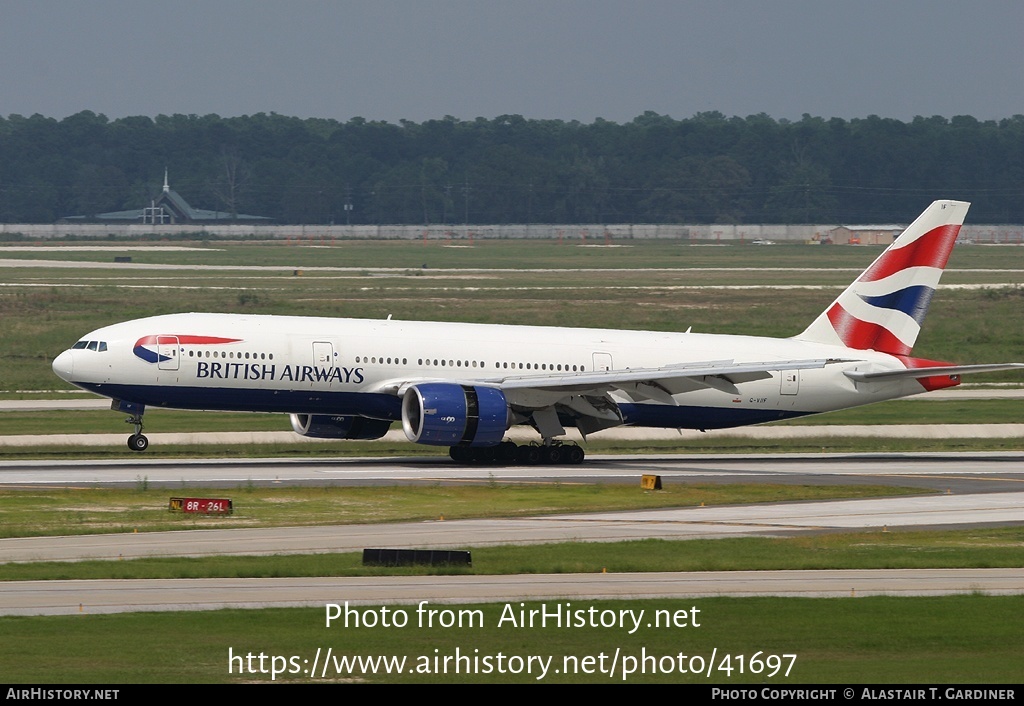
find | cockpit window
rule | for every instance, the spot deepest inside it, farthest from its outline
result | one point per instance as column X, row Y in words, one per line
column 98, row 346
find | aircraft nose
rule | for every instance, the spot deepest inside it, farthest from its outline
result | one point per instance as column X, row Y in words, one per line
column 64, row 365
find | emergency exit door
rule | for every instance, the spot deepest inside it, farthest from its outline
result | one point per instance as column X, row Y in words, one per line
column 790, row 382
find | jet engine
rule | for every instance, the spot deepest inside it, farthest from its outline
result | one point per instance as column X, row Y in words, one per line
column 329, row 426
column 446, row 414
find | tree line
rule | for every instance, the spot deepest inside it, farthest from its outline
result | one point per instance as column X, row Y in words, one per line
column 654, row 169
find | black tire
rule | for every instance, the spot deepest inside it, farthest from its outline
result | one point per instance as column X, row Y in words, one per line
column 138, row 442
column 459, row 454
column 552, row 455
column 507, row 452
column 529, row 455
column 574, row 455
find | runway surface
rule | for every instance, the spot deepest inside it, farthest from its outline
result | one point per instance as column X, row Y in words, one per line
column 979, row 489
column 956, row 472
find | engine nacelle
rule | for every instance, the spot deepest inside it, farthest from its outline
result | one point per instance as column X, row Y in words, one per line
column 329, row 426
column 446, row 414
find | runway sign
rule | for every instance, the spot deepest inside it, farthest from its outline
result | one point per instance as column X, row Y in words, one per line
column 202, row 506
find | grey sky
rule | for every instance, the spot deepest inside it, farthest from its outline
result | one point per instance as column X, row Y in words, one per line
column 566, row 59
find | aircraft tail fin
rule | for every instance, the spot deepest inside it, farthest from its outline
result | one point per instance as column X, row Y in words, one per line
column 883, row 309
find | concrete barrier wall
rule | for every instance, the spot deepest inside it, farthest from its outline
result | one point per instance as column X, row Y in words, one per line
column 585, row 233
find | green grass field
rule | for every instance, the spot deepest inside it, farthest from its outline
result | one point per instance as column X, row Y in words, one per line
column 512, row 254
column 104, row 510
column 941, row 640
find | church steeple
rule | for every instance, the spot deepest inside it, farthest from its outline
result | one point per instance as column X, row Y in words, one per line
column 167, row 187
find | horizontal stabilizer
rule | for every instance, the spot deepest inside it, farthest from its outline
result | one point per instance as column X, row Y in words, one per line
column 931, row 372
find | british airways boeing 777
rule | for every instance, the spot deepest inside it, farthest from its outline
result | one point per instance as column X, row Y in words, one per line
column 464, row 385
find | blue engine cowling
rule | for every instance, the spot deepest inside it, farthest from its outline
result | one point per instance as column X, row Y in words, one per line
column 329, row 426
column 446, row 414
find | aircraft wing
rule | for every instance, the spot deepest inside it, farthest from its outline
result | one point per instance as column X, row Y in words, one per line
column 587, row 395
column 671, row 379
column 538, row 397
column 715, row 374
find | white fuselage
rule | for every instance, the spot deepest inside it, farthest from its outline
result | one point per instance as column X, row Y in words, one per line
column 359, row 367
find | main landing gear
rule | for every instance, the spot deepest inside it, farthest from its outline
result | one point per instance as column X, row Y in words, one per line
column 137, row 442
column 508, row 452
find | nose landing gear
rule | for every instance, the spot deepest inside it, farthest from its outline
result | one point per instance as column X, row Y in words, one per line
column 137, row 442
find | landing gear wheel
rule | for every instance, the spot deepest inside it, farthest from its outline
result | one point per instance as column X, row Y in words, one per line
column 529, row 455
column 484, row 454
column 557, row 453
column 574, row 455
column 552, row 455
column 506, row 452
column 138, row 442
column 460, row 454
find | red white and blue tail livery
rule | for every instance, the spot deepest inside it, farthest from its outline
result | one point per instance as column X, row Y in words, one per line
column 464, row 385
column 883, row 309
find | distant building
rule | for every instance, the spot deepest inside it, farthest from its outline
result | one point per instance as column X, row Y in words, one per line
column 169, row 208
column 865, row 235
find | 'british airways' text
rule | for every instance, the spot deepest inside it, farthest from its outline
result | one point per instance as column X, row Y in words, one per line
column 294, row 373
